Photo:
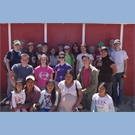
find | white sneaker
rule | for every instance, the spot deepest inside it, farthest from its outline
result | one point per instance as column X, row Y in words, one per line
column 7, row 103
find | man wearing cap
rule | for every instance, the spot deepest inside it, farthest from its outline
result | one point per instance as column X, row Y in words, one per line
column 120, row 58
column 32, row 55
column 32, row 94
column 98, row 54
column 107, row 69
column 44, row 51
column 13, row 57
column 88, row 77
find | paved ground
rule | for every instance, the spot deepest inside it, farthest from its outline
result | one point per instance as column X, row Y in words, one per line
column 128, row 105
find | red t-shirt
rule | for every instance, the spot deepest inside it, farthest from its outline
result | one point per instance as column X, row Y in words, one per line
column 86, row 76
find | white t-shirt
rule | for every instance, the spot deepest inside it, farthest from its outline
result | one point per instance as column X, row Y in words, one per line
column 119, row 57
column 45, row 98
column 102, row 104
column 79, row 58
column 18, row 98
column 71, row 90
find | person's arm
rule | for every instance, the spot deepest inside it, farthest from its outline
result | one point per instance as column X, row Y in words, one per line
column 125, row 65
column 7, row 65
column 79, row 98
column 93, row 106
column 12, row 78
column 51, row 76
column 111, row 107
column 114, row 69
column 13, row 101
column 77, row 66
column 55, row 76
column 24, row 97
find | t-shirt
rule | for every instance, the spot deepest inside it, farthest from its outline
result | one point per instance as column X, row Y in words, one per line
column 69, row 60
column 61, row 69
column 43, row 75
column 71, row 90
column 119, row 57
column 53, row 61
column 18, row 98
column 79, row 58
column 102, row 104
column 86, row 79
column 32, row 58
column 45, row 98
column 105, row 71
column 22, row 72
column 110, row 50
column 13, row 57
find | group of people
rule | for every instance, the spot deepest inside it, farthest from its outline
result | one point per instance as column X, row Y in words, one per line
column 67, row 80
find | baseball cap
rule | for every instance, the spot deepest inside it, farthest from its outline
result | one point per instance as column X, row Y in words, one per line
column 30, row 77
column 45, row 43
column 30, row 43
column 61, row 53
column 85, row 55
column 117, row 41
column 61, row 45
column 19, row 80
column 100, row 44
column 39, row 45
column 104, row 48
column 66, row 47
column 16, row 42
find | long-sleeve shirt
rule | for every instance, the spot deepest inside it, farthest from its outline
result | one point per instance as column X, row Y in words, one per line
column 32, row 97
column 18, row 98
column 102, row 104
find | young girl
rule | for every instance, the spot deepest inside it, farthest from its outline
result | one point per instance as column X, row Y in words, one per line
column 43, row 72
column 102, row 102
column 18, row 96
column 49, row 97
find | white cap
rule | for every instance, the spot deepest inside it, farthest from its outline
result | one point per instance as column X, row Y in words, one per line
column 39, row 45
column 30, row 77
column 66, row 47
column 30, row 43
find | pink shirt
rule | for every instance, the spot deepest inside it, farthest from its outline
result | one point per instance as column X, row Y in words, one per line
column 43, row 75
column 86, row 78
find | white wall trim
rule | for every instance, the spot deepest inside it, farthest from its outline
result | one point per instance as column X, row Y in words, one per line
column 83, row 33
column 45, row 32
column 9, row 37
column 121, row 34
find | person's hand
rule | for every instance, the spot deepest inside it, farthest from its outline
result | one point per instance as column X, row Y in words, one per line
column 33, row 108
column 15, row 109
column 74, row 108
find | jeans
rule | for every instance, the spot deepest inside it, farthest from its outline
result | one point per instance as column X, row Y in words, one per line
column 9, row 87
column 118, row 82
column 46, row 110
column 109, row 88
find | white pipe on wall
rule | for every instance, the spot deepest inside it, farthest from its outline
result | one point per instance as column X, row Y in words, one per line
column 45, row 32
column 121, row 34
column 83, row 33
column 9, row 36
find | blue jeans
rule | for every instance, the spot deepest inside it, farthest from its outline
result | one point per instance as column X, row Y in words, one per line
column 9, row 87
column 46, row 110
column 118, row 81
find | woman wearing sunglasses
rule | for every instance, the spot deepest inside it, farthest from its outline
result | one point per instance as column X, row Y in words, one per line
column 61, row 68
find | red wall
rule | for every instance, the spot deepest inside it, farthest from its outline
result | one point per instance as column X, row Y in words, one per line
column 28, row 32
column 3, row 49
column 64, row 33
column 101, row 33
column 129, row 47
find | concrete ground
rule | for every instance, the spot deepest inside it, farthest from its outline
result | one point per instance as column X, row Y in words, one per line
column 128, row 105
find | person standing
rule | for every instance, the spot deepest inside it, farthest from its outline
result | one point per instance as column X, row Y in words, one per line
column 111, row 46
column 107, row 69
column 13, row 57
column 88, row 77
column 120, row 58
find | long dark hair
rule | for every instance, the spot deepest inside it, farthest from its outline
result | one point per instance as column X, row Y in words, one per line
column 55, row 52
column 84, row 45
column 53, row 94
column 72, row 49
column 69, row 71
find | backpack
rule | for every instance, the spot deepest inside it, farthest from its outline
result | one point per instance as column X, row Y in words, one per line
column 11, row 58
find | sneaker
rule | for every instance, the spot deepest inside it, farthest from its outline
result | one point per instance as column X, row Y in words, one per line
column 7, row 103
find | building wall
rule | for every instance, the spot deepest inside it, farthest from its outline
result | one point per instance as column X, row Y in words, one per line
column 68, row 34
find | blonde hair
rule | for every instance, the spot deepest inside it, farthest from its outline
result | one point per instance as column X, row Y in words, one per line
column 44, row 56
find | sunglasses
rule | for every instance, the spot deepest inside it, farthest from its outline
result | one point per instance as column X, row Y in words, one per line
column 61, row 57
